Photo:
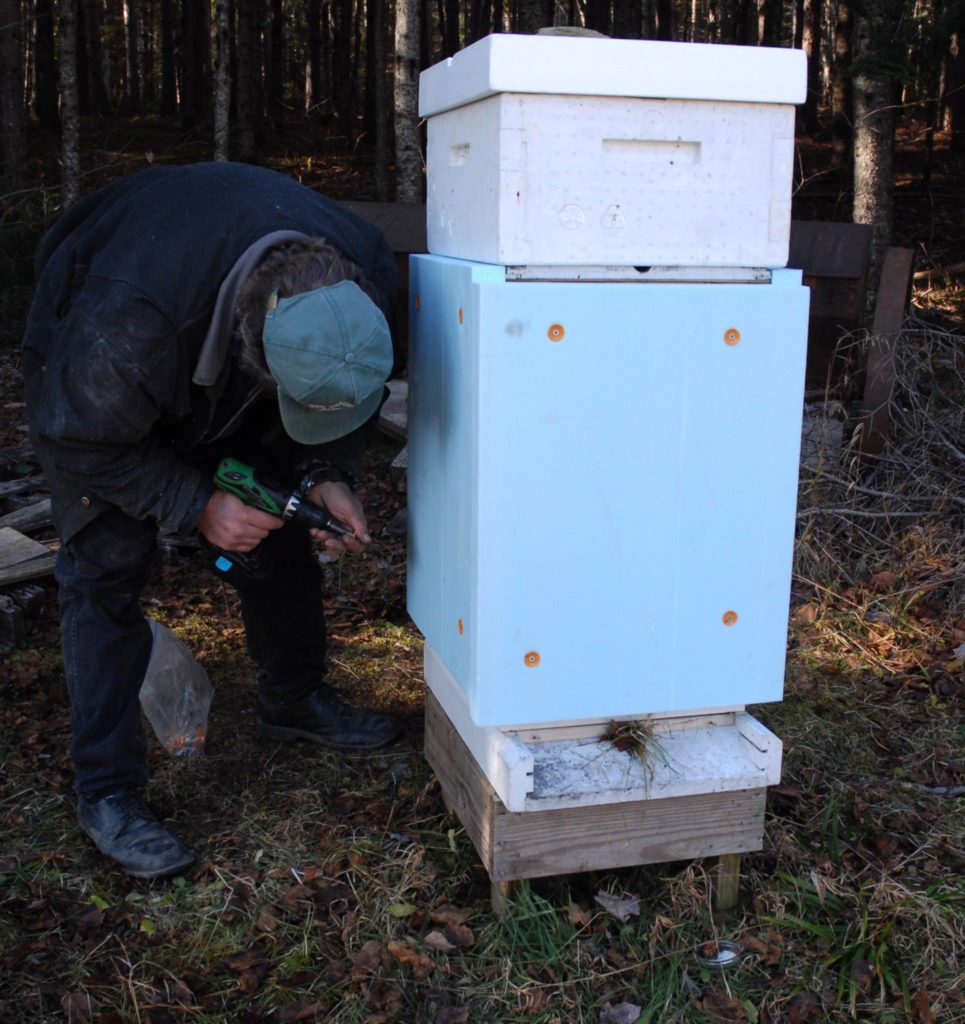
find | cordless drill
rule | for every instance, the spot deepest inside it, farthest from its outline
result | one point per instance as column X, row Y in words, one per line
column 269, row 496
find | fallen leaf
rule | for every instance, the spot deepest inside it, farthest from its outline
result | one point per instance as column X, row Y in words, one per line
column 770, row 952
column 721, row 1007
column 90, row 919
column 452, row 1015
column 250, row 981
column 864, row 975
column 622, row 908
column 803, row 1007
column 243, row 960
column 176, row 991
column 882, row 581
column 421, row 965
column 78, row 1006
column 401, row 910
column 460, row 935
column 805, row 613
column 436, row 940
column 620, row 1013
column 267, row 920
column 449, row 915
column 335, row 972
column 533, row 999
column 297, row 897
column 304, row 1009
column 385, row 997
column 578, row 915
column 921, row 1007
column 367, row 959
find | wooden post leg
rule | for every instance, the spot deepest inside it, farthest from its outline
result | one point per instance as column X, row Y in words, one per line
column 503, row 894
column 726, row 881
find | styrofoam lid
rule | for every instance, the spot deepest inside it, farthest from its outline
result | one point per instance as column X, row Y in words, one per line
column 590, row 66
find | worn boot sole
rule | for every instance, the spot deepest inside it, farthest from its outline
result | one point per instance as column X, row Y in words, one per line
column 166, row 872
column 287, row 734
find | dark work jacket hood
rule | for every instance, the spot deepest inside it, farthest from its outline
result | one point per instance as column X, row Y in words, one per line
column 126, row 284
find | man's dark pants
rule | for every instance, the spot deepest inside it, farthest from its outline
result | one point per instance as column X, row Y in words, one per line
column 102, row 571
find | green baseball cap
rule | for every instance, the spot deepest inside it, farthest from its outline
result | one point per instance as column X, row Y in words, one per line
column 330, row 352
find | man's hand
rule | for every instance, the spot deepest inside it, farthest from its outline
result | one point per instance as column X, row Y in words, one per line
column 232, row 525
column 342, row 503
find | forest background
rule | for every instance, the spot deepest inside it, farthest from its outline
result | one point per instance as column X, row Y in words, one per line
column 344, row 891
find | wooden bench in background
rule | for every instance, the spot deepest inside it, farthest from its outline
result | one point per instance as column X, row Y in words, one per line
column 833, row 258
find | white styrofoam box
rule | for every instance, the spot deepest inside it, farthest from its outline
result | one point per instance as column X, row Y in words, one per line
column 602, row 489
column 520, row 179
column 612, row 67
column 562, row 150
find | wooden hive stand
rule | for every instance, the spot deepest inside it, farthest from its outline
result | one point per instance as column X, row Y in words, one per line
column 603, row 809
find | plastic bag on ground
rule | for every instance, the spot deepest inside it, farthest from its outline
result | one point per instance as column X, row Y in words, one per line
column 176, row 694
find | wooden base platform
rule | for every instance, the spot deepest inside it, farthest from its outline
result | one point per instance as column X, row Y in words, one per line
column 531, row 844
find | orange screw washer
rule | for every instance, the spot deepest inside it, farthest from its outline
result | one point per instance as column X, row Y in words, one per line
column 418, row 302
column 732, row 336
column 459, row 626
column 460, row 315
column 555, row 332
column 729, row 618
column 531, row 659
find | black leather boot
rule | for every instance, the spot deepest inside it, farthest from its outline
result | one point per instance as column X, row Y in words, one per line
column 325, row 719
column 125, row 829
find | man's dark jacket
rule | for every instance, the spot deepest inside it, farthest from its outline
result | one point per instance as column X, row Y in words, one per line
column 127, row 282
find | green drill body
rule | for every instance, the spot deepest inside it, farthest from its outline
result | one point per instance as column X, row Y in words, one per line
column 268, row 496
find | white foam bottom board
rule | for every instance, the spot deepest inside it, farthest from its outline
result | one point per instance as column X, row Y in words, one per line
column 556, row 765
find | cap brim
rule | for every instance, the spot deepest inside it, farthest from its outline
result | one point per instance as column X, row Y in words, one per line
column 309, row 426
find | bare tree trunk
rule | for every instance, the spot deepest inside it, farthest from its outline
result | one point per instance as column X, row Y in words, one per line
column 664, row 15
column 480, row 20
column 45, row 65
column 627, row 20
column 841, row 85
column 532, row 15
column 408, row 152
column 874, row 97
column 69, row 110
column 246, row 84
column 275, row 70
column 100, row 101
column 148, row 56
column 132, row 64
column 383, row 105
column 222, row 96
column 597, row 16
column 313, row 79
column 812, row 16
column 773, row 22
column 357, row 57
column 11, row 91
column 342, row 65
column 450, row 27
column 169, row 89
column 955, row 89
